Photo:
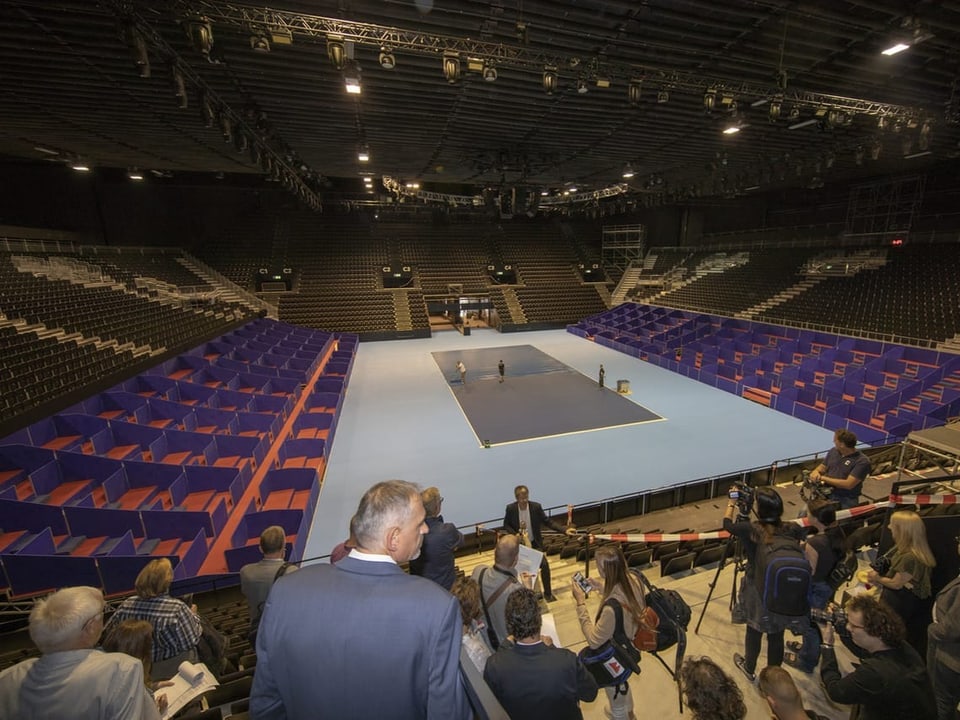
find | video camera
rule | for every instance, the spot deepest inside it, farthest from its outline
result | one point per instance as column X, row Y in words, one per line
column 743, row 495
column 812, row 490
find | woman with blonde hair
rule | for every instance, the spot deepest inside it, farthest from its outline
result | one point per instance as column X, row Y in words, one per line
column 176, row 626
column 906, row 585
column 618, row 584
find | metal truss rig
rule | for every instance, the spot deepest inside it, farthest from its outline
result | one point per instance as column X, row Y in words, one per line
column 265, row 20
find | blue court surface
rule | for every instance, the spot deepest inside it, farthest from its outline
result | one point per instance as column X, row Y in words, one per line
column 539, row 397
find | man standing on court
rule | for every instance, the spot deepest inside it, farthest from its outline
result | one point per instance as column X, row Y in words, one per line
column 362, row 638
column 526, row 519
column 501, row 369
column 601, row 376
column 462, row 369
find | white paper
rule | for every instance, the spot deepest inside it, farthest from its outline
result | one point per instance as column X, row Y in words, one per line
column 191, row 681
column 549, row 628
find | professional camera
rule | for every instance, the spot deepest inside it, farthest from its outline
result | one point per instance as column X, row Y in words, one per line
column 833, row 614
column 812, row 490
column 743, row 495
column 881, row 565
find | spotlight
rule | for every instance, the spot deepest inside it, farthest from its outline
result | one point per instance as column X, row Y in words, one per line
column 732, row 129
column 226, row 127
column 179, row 87
column 489, row 73
column 875, row 148
column 634, row 90
column 387, row 59
column 336, row 51
column 776, row 105
column 260, row 43
column 709, row 99
column 628, row 171
column 451, row 67
column 200, row 33
column 582, row 87
column 363, row 154
column 549, row 79
column 138, row 48
column 895, row 49
column 206, row 110
column 134, row 174
column 663, row 96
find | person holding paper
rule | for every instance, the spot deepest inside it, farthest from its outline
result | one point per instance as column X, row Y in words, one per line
column 72, row 680
column 527, row 518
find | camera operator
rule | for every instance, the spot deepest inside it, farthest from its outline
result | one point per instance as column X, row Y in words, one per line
column 844, row 469
column 824, row 550
column 890, row 683
column 765, row 531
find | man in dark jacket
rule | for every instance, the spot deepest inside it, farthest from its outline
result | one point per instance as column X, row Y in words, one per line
column 891, row 682
column 532, row 679
column 526, row 519
column 436, row 561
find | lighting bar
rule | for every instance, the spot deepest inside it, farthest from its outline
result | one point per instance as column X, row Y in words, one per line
column 731, row 130
column 894, row 49
column 922, row 153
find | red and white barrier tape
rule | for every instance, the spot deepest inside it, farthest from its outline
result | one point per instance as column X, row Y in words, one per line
column 841, row 515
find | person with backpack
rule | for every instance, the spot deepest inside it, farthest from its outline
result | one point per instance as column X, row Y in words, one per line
column 773, row 592
column 824, row 549
column 616, row 585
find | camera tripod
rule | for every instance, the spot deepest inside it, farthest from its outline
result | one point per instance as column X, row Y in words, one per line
column 739, row 561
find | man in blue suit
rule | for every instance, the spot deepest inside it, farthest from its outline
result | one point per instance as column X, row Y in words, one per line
column 362, row 639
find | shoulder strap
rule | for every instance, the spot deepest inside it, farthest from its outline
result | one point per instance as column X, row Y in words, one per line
column 617, row 614
column 282, row 571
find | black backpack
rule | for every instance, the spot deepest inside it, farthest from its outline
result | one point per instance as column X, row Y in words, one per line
column 783, row 576
column 674, row 614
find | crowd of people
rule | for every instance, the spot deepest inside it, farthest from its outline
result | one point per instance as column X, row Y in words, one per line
column 418, row 627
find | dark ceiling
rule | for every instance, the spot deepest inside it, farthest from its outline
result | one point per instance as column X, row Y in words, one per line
column 70, row 85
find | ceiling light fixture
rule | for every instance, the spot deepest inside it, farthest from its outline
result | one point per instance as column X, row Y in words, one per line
column 79, row 165
column 200, row 33
column 134, row 174
column 731, row 130
column 895, row 49
column 628, row 171
column 388, row 61
column 138, row 48
column 582, row 87
column 351, row 78
column 363, row 154
column 451, row 67
column 710, row 99
column 549, row 79
column 179, row 87
column 634, row 92
column 260, row 43
column 776, row 106
column 336, row 51
column 663, row 96
column 489, row 73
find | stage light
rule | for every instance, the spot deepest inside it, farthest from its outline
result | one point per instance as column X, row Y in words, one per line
column 582, row 87
column 260, row 43
column 663, row 97
column 628, row 171
column 80, row 165
column 451, row 67
column 363, row 154
column 134, row 174
column 731, row 130
column 896, row 48
column 206, row 110
column 709, row 99
column 776, row 106
column 179, row 87
column 200, row 33
column 388, row 60
column 226, row 128
column 489, row 73
column 138, row 48
column 336, row 51
column 549, row 79
column 634, row 90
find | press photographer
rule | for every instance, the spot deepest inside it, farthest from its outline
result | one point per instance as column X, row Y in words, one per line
column 890, row 683
column 773, row 592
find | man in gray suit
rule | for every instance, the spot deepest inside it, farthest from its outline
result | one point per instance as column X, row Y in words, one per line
column 362, row 639
column 257, row 578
